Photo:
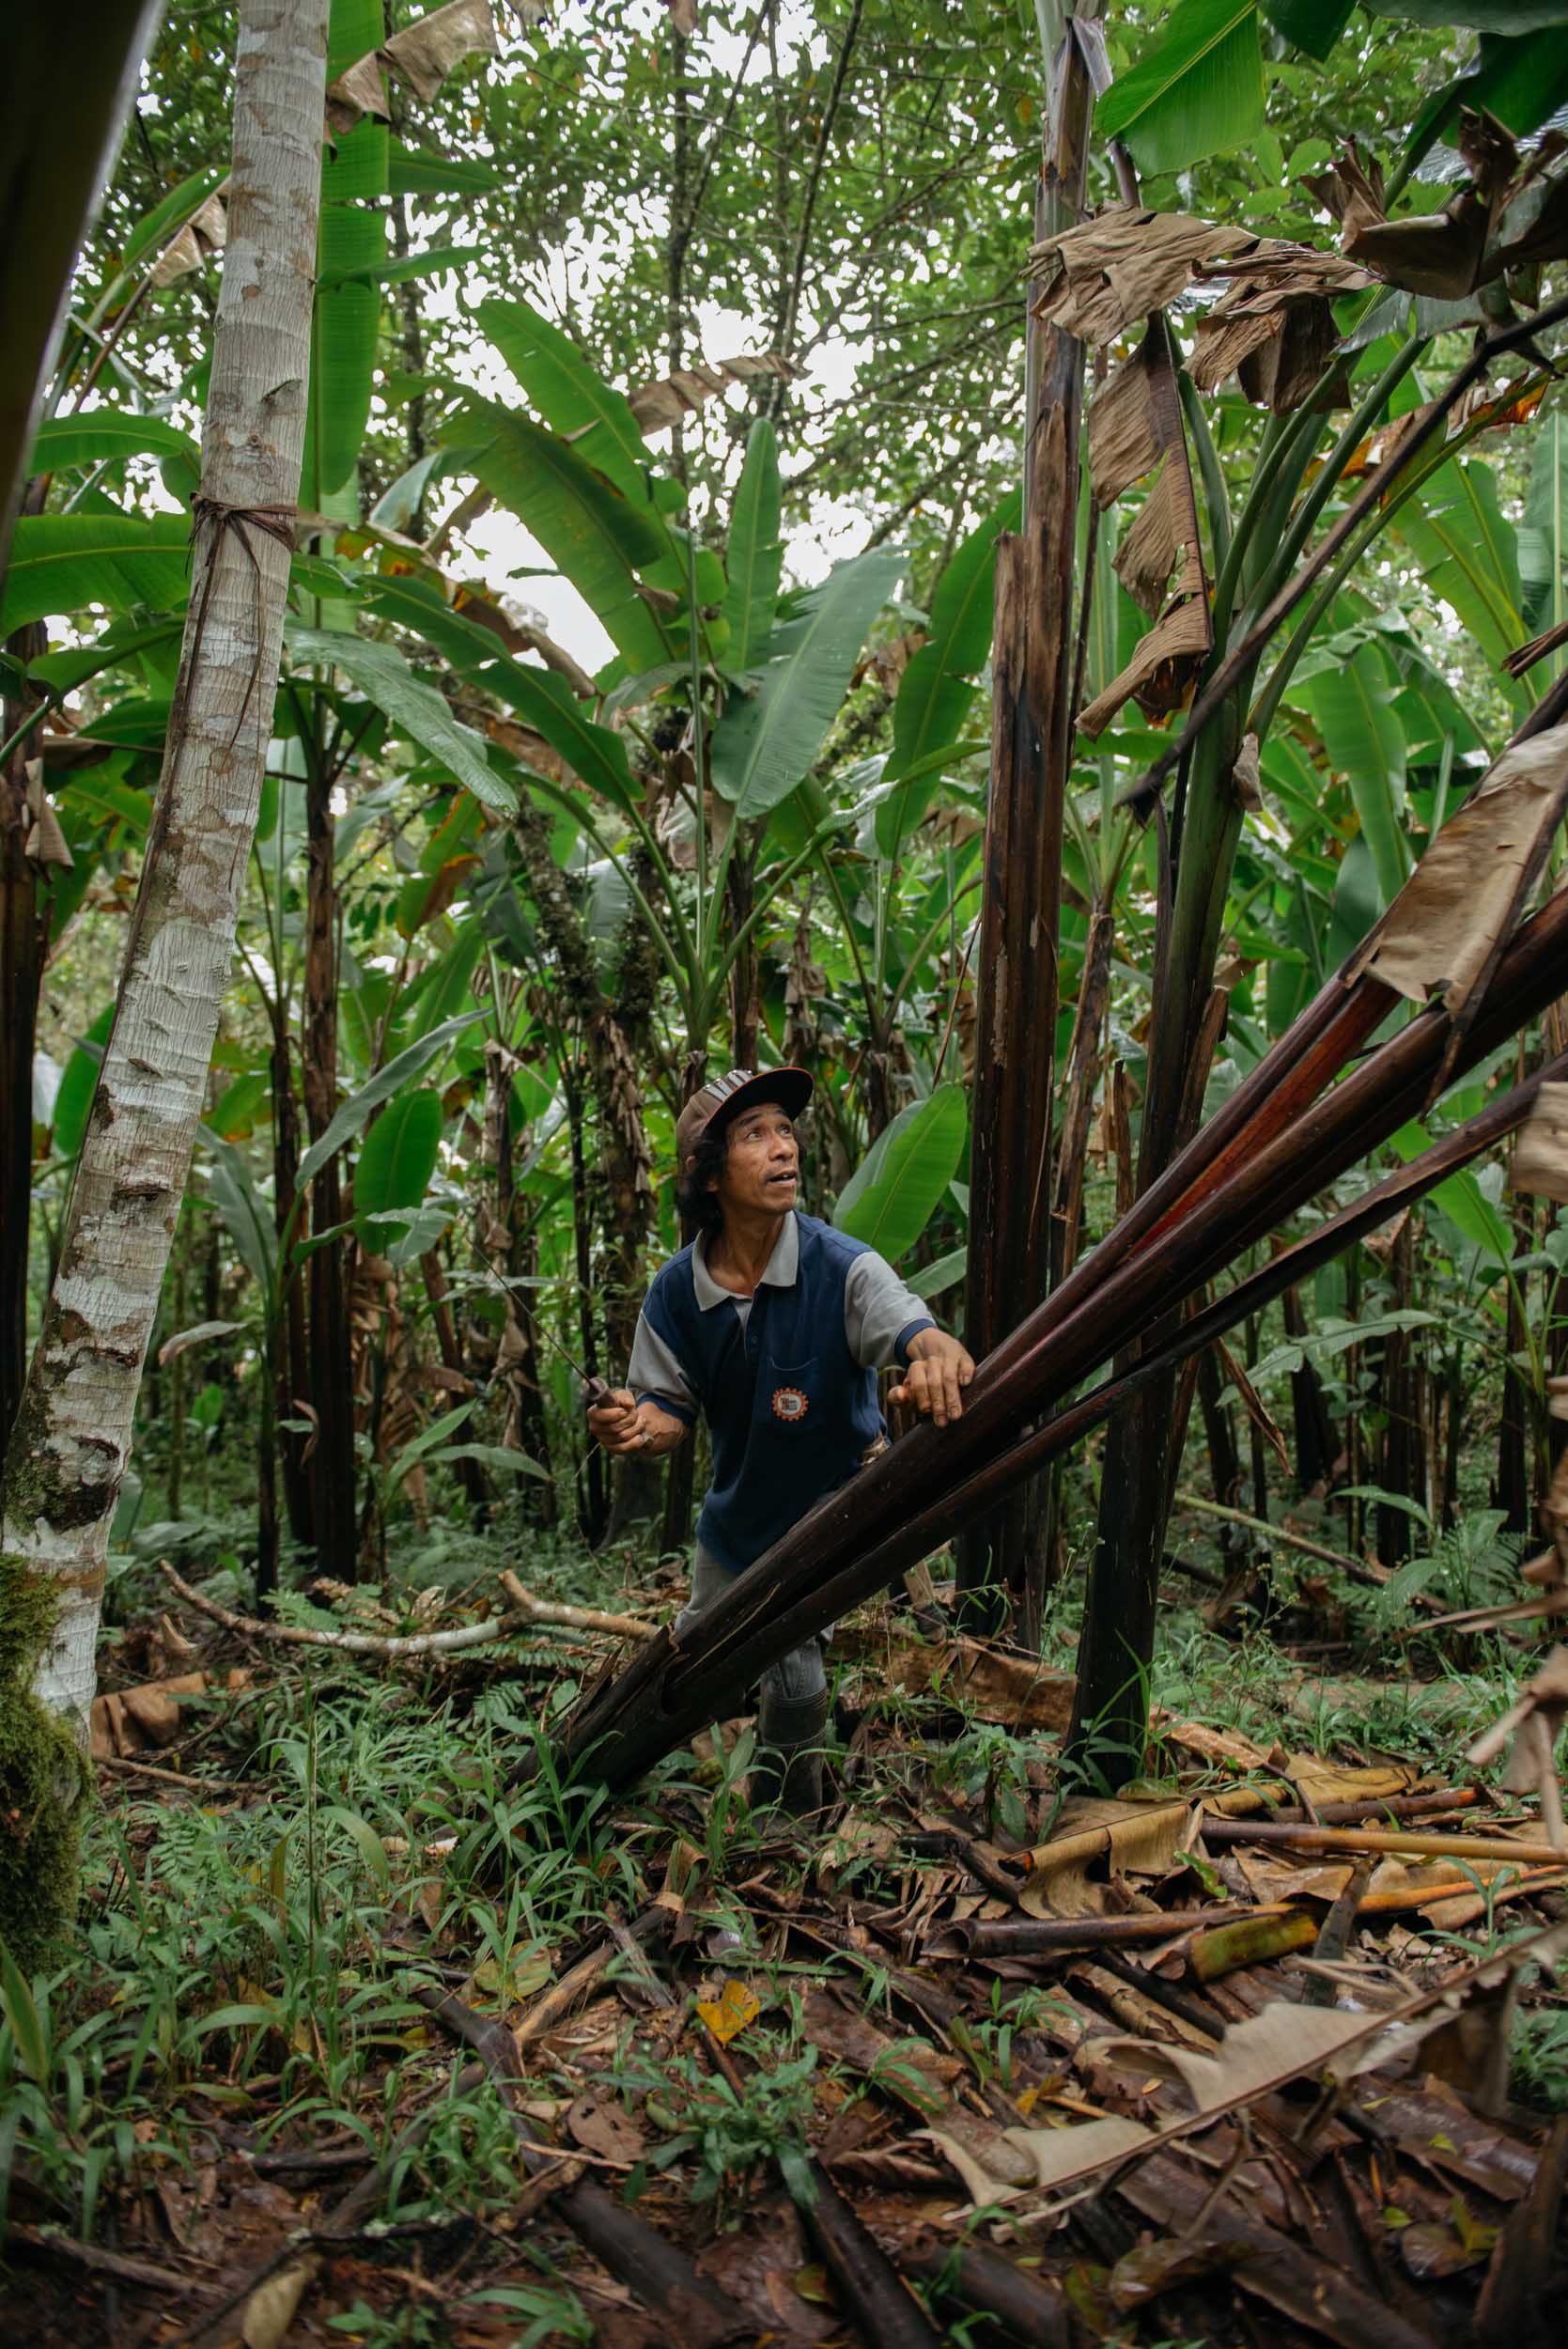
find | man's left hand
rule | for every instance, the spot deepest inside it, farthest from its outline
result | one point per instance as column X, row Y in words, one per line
column 939, row 1370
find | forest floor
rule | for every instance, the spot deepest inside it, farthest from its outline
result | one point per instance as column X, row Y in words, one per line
column 370, row 2039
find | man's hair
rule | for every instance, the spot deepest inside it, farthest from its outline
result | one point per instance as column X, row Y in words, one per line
column 696, row 1202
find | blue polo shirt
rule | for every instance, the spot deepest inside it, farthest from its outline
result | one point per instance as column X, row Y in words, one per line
column 786, row 1378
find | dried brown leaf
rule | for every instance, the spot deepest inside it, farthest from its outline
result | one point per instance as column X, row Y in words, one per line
column 1439, row 933
column 1122, row 264
column 1132, row 423
column 1162, row 669
column 206, row 232
column 270, row 2309
column 357, row 92
column 1371, row 2040
column 1252, row 2057
column 1541, row 1149
column 1036, row 2158
column 603, row 2128
column 1160, row 533
column 664, row 402
column 1132, row 1838
column 424, row 53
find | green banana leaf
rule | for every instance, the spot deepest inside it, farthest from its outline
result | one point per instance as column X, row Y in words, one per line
column 78, row 1083
column 898, row 1185
column 353, row 1113
column 413, row 171
column 1197, row 87
column 596, row 538
column 344, row 337
column 936, row 689
column 395, row 1167
column 61, row 563
column 246, row 1215
column 543, row 700
column 766, row 741
column 573, row 399
column 1467, row 551
column 1544, row 531
column 166, row 220
column 107, row 433
column 1361, row 732
column 354, row 27
column 755, row 555
column 413, row 706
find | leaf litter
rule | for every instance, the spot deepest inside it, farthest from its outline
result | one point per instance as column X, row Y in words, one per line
column 1172, row 2066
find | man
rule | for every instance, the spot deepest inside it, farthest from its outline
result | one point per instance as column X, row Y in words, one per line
column 775, row 1326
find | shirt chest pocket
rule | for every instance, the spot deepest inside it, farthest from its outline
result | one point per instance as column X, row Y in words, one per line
column 788, row 1396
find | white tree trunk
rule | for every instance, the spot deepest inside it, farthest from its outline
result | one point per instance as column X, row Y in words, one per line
column 72, row 1438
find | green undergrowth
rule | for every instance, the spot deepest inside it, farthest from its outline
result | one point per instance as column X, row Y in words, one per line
column 45, row 1782
column 254, row 1961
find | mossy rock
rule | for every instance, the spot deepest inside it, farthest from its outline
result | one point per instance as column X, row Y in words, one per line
column 44, row 1779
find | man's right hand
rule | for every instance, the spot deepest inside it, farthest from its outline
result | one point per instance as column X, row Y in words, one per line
column 615, row 1422
column 621, row 1424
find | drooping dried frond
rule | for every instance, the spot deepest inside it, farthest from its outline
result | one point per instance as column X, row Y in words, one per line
column 425, row 52
column 1441, row 930
column 665, row 401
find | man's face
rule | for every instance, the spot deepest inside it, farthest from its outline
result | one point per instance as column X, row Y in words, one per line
column 762, row 1170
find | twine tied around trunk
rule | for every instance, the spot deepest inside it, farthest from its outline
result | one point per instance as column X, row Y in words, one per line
column 236, row 521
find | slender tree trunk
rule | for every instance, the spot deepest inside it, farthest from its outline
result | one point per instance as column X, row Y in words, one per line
column 291, row 1369
column 680, row 1476
column 517, row 1356
column 21, row 947
column 71, row 1442
column 592, row 1514
column 1001, row 1562
column 1224, row 1459
column 1403, row 1470
column 1510, row 1491
column 330, row 1390
column 1314, row 1425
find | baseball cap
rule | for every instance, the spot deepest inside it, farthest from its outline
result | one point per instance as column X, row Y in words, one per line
column 723, row 1097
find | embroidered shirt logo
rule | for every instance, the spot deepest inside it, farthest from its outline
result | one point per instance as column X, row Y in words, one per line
column 789, row 1403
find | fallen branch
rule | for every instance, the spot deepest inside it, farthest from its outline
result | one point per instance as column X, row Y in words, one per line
column 549, row 1611
column 165, row 1778
column 393, row 1649
column 1360, row 1568
column 1026, row 1936
column 1358, row 1839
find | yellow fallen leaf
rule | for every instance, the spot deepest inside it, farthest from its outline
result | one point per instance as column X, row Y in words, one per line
column 735, row 2006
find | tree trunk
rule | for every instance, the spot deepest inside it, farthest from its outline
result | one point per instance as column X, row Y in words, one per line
column 516, row 1363
column 1000, row 1564
column 1403, row 1470
column 22, row 946
column 1220, row 1432
column 69, row 1450
column 330, row 1390
column 1309, row 1414
column 1510, row 1491
column 291, row 1368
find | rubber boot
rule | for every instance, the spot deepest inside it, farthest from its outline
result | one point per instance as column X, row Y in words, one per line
column 788, row 1773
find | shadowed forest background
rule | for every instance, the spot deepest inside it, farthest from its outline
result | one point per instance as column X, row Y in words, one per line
column 1017, row 562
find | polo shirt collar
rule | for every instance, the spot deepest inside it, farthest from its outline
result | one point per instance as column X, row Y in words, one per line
column 781, row 1271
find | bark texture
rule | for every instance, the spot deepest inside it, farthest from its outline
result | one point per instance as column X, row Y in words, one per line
column 72, row 1438
column 22, row 949
column 1002, row 1563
